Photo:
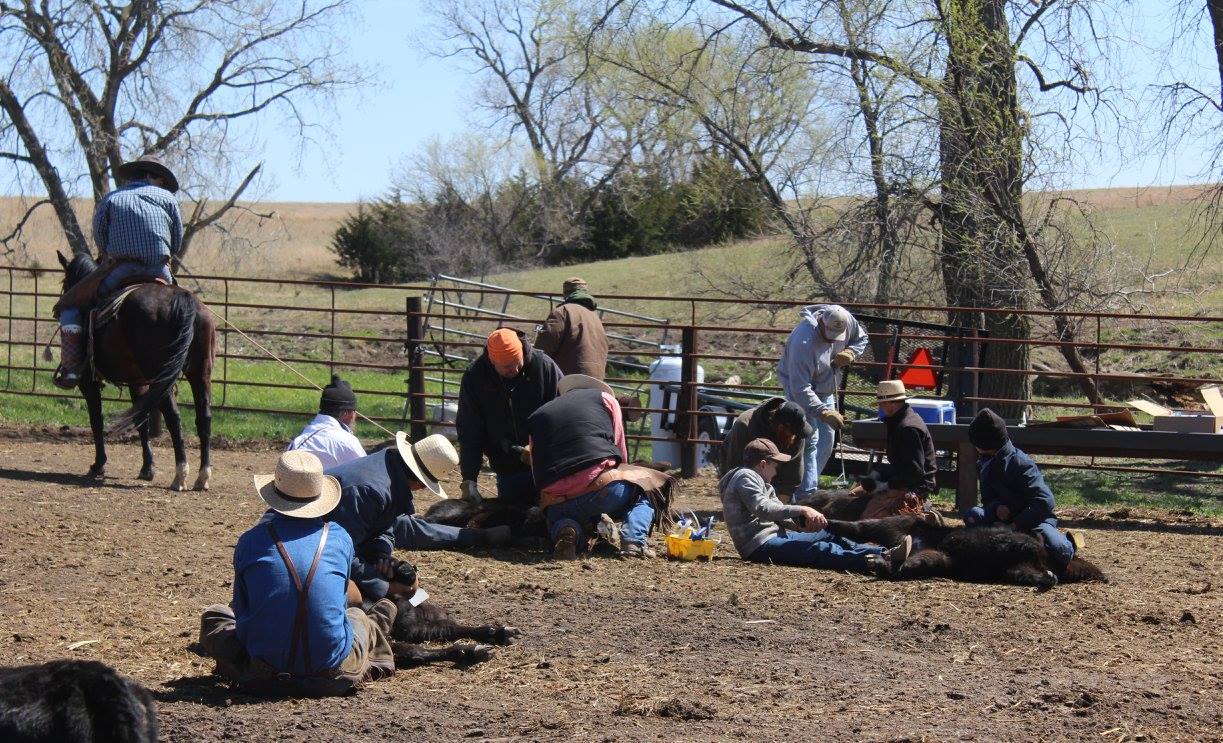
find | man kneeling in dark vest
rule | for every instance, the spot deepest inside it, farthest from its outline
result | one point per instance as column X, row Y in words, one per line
column 296, row 627
column 578, row 459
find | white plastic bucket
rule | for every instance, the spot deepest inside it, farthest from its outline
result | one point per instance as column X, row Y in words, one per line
column 668, row 369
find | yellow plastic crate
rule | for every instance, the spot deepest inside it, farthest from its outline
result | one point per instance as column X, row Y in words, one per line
column 683, row 548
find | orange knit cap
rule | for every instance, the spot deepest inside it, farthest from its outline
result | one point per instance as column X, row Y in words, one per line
column 504, row 346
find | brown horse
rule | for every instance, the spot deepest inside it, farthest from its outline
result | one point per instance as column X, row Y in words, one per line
column 159, row 333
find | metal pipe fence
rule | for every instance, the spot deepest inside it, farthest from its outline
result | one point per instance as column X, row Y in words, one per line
column 333, row 326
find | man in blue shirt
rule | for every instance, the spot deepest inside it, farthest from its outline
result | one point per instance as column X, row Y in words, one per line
column 377, row 510
column 295, row 626
column 138, row 229
column 1013, row 490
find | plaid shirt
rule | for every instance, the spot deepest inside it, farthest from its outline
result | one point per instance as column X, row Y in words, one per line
column 140, row 221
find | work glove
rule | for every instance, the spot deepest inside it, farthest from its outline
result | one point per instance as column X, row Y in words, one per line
column 832, row 418
column 842, row 359
column 471, row 492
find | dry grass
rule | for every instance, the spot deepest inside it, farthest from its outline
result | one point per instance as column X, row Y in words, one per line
column 294, row 241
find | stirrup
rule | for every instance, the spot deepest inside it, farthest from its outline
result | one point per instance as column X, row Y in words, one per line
column 66, row 379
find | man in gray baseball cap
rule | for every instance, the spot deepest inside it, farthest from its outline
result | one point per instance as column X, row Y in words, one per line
column 780, row 421
column 766, row 530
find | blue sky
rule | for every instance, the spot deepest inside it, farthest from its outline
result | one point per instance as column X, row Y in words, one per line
column 417, row 97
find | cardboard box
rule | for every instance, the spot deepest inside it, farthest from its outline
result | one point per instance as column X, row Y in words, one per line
column 1186, row 421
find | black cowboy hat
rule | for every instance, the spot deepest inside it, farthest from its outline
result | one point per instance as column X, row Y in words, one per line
column 151, row 164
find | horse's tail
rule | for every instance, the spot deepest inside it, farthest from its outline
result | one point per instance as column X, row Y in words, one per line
column 183, row 311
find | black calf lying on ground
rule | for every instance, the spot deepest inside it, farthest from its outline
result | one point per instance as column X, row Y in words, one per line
column 984, row 553
column 527, row 524
column 836, row 504
column 69, row 701
column 431, row 623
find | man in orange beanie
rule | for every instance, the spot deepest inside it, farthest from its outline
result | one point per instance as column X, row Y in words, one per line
column 500, row 389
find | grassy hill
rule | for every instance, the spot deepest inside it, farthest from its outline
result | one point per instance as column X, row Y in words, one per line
column 291, row 240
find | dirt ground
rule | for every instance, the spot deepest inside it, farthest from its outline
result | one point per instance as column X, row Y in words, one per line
column 627, row 650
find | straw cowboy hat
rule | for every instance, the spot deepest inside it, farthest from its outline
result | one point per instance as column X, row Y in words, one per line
column 891, row 390
column 299, row 488
column 148, row 163
column 429, row 459
column 571, row 382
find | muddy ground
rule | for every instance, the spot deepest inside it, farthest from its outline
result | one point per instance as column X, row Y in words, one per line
column 627, row 651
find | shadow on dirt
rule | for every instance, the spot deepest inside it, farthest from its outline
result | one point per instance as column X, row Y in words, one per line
column 206, row 690
column 63, row 478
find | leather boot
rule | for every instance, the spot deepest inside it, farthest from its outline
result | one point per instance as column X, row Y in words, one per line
column 71, row 357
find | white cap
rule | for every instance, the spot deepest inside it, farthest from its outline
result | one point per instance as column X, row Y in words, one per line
column 835, row 322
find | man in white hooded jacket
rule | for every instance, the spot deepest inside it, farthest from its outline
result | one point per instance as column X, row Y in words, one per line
column 826, row 340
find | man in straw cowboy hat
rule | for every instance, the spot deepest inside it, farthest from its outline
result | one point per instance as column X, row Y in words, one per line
column 498, row 392
column 138, row 229
column 826, row 340
column 329, row 435
column 579, row 460
column 573, row 334
column 295, row 626
column 766, row 530
column 377, row 511
column 905, row 483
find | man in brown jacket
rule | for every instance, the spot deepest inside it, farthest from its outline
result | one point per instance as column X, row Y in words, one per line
column 573, row 334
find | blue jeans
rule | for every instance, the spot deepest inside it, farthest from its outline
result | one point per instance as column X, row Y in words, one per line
column 1061, row 549
column 518, row 487
column 818, row 549
column 817, row 450
column 620, row 500
column 411, row 533
column 75, row 315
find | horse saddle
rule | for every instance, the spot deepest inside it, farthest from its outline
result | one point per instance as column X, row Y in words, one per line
column 85, row 292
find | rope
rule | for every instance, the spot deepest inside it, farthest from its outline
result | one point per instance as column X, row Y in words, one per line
column 286, row 365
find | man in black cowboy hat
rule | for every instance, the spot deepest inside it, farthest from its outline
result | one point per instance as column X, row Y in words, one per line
column 138, row 229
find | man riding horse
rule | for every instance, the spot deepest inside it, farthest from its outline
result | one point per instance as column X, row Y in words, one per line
column 138, row 229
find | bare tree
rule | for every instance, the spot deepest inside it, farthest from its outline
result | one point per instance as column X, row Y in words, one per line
column 988, row 255
column 536, row 79
column 86, row 84
column 1193, row 109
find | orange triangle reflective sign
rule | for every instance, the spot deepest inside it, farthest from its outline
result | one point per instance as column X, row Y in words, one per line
column 918, row 374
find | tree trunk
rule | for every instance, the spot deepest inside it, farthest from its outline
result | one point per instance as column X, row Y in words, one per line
column 1215, row 9
column 46, row 171
column 981, row 151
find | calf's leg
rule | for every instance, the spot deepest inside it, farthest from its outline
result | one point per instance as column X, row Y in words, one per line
column 409, row 654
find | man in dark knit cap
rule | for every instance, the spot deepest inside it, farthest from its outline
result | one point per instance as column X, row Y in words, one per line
column 1013, row 491
column 329, row 436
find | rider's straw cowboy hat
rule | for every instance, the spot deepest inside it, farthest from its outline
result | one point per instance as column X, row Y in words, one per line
column 151, row 164
column 429, row 459
column 891, row 390
column 299, row 488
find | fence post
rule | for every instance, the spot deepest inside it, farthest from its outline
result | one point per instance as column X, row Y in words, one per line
column 686, row 425
column 416, row 374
